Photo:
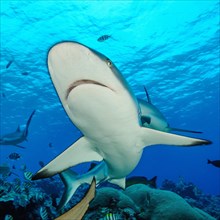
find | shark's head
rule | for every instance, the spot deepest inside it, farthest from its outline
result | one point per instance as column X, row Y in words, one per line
column 72, row 65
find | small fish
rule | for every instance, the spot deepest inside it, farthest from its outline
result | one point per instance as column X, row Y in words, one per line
column 13, row 167
column 103, row 38
column 8, row 217
column 111, row 216
column 17, row 188
column 39, row 197
column 14, row 156
column 28, row 175
column 41, row 163
column 9, row 64
column 141, row 179
column 27, row 184
column 3, row 95
column 50, row 145
column 43, row 213
column 215, row 163
column 24, row 73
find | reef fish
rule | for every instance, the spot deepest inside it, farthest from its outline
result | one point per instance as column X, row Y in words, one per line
column 14, row 156
column 8, row 217
column 215, row 163
column 141, row 179
column 112, row 216
column 43, row 213
column 103, row 38
column 28, row 175
column 151, row 117
column 91, row 90
column 18, row 136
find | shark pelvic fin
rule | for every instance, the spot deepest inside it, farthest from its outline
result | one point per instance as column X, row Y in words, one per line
column 79, row 152
column 118, row 182
column 152, row 137
column 69, row 179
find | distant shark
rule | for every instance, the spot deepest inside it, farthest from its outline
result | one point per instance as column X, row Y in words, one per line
column 151, row 117
column 18, row 136
column 92, row 91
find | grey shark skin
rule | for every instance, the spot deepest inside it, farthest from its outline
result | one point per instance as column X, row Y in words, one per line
column 91, row 90
column 151, row 117
column 73, row 180
column 18, row 136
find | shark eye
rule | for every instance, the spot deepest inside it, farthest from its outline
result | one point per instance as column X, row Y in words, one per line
column 109, row 62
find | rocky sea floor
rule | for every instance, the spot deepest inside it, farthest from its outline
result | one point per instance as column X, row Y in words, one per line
column 27, row 200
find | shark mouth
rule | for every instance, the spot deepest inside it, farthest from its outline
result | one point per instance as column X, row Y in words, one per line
column 81, row 82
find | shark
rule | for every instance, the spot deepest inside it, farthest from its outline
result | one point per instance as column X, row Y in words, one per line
column 19, row 136
column 91, row 90
column 151, row 117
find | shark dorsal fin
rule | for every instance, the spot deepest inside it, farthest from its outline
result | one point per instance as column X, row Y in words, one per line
column 148, row 97
column 18, row 129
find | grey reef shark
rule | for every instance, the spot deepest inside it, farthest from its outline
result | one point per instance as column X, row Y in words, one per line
column 151, row 117
column 92, row 90
column 19, row 136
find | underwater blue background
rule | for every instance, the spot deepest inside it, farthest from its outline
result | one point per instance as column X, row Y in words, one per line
column 171, row 47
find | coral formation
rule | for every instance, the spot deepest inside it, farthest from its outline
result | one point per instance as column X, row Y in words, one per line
column 24, row 199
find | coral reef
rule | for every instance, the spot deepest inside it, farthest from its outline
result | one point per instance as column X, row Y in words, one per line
column 29, row 200
column 194, row 196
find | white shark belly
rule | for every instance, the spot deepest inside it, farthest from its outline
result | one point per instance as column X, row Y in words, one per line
column 103, row 119
column 97, row 111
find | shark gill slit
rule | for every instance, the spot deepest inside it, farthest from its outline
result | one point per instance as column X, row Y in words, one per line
column 84, row 81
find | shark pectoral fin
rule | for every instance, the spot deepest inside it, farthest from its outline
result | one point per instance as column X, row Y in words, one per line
column 119, row 182
column 79, row 152
column 151, row 137
column 183, row 130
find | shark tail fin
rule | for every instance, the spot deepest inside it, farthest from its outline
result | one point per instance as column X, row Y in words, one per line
column 153, row 181
column 71, row 183
column 152, row 137
column 183, row 130
column 29, row 120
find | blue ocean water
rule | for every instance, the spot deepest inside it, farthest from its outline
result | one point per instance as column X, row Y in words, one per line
column 171, row 47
